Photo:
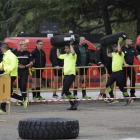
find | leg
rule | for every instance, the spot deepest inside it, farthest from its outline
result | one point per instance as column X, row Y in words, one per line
column 75, row 84
column 132, row 91
column 83, row 82
column 110, row 81
column 119, row 79
column 38, row 86
column 103, row 81
column 23, row 80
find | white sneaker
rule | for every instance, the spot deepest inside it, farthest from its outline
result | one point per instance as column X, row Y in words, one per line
column 60, row 87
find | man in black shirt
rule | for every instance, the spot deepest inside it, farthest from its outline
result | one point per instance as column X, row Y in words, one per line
column 130, row 52
column 24, row 62
column 39, row 61
column 104, row 61
column 57, row 63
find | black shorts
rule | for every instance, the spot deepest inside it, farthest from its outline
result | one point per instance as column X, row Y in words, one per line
column 103, row 71
column 59, row 73
column 81, row 71
column 37, row 74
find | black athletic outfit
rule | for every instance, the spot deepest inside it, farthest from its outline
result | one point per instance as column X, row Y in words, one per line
column 56, row 61
column 102, row 58
column 24, row 58
column 39, row 61
column 129, row 59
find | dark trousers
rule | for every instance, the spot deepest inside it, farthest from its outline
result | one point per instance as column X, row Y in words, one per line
column 68, row 79
column 13, row 95
column 118, row 77
column 128, row 72
column 22, row 84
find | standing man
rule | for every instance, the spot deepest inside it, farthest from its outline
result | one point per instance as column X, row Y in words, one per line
column 130, row 52
column 39, row 61
column 83, row 59
column 104, row 61
column 24, row 62
column 57, row 63
column 69, row 72
column 10, row 65
column 117, row 71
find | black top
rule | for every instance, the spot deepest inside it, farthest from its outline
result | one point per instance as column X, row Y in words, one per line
column 102, row 57
column 53, row 58
column 77, row 51
column 24, row 58
column 39, row 58
column 129, row 54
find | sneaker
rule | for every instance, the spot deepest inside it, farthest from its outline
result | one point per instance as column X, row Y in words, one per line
column 55, row 96
column 113, row 101
column 76, row 103
column 101, row 95
column 71, row 108
column 86, row 97
column 41, row 98
column 63, row 97
column 129, row 102
column 25, row 103
column 75, row 97
column 60, row 87
column 2, row 112
column 35, row 98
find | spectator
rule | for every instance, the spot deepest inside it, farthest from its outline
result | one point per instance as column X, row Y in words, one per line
column 10, row 65
column 104, row 61
column 25, row 61
column 39, row 61
column 57, row 63
column 83, row 59
column 130, row 52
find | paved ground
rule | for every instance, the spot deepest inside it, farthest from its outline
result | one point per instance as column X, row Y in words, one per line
column 98, row 120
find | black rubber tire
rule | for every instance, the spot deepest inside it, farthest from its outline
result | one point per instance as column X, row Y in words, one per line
column 48, row 128
column 62, row 40
column 113, row 38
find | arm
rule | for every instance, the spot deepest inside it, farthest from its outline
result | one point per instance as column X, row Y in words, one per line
column 72, row 50
column 58, row 53
column 98, row 56
column 108, row 54
column 138, row 57
column 127, row 65
column 119, row 45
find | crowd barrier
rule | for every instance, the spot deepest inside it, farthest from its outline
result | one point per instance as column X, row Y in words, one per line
column 50, row 89
column 5, row 89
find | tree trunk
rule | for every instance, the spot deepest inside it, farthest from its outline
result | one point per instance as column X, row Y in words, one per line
column 106, row 17
column 138, row 17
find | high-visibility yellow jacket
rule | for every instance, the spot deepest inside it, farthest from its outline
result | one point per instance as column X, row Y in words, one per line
column 9, row 63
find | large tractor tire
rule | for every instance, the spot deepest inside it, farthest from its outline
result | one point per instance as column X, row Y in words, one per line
column 111, row 39
column 62, row 40
column 48, row 128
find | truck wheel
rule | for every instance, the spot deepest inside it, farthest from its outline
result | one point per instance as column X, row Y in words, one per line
column 48, row 128
column 62, row 40
column 113, row 38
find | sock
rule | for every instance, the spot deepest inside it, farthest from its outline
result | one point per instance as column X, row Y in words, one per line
column 75, row 91
column 24, row 95
column 34, row 93
column 84, row 92
column 38, row 93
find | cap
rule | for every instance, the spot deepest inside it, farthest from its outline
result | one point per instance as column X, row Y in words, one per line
column 22, row 43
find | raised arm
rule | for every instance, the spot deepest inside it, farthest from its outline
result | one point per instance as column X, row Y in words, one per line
column 58, row 53
column 119, row 45
column 71, row 48
column 108, row 54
